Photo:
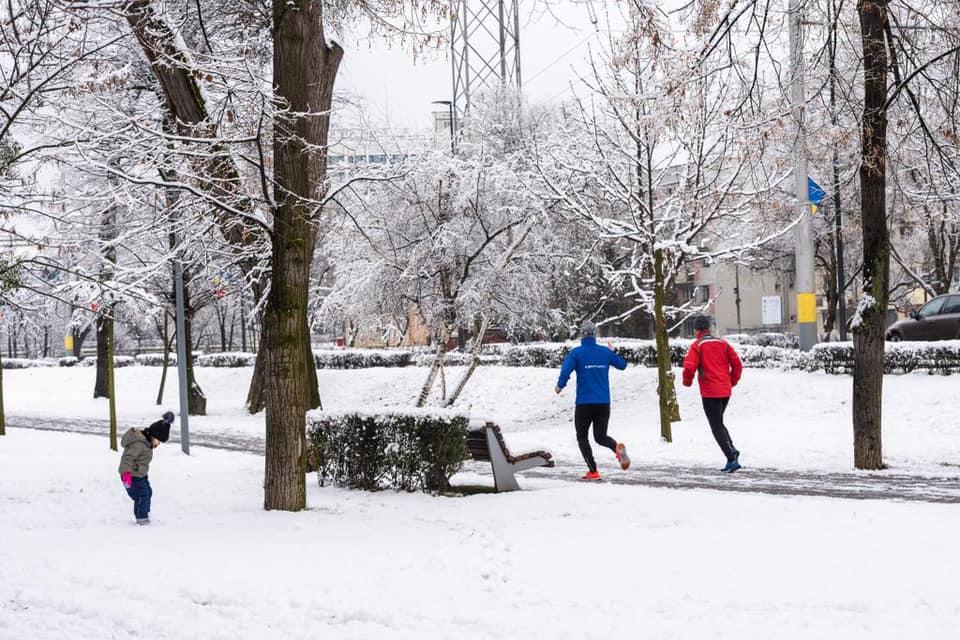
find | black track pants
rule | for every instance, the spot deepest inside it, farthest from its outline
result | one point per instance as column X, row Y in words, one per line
column 714, row 408
column 599, row 416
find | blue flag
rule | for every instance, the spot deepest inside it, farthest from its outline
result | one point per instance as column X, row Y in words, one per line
column 815, row 193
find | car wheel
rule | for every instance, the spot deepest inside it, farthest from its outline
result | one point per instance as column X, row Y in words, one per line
column 895, row 337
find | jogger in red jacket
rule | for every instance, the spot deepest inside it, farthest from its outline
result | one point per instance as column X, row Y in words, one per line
column 719, row 369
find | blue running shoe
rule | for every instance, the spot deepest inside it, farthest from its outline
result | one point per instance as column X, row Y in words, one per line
column 732, row 466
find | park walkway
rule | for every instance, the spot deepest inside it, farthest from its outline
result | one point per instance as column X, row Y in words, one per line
column 765, row 480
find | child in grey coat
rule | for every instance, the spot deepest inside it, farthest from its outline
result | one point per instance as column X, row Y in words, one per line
column 138, row 449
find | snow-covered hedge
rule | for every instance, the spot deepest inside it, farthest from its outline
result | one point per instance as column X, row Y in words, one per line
column 757, row 357
column 900, row 357
column 401, row 449
column 362, row 358
column 551, row 354
column 26, row 363
column 769, row 339
column 155, row 359
column 226, row 359
column 118, row 362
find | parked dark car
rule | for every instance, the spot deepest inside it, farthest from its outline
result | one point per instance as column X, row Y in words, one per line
column 939, row 319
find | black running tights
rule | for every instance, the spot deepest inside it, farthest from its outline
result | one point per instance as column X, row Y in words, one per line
column 599, row 416
column 714, row 408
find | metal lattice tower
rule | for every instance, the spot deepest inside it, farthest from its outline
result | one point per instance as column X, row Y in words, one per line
column 485, row 40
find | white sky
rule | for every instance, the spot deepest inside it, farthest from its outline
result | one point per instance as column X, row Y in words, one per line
column 397, row 90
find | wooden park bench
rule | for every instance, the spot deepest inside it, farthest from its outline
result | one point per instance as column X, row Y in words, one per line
column 486, row 445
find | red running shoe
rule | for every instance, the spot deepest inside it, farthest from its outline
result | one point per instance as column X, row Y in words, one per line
column 622, row 456
column 591, row 475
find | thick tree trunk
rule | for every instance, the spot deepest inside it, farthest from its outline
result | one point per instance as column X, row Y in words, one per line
column 667, row 392
column 304, row 70
column 868, row 339
column 107, row 317
column 101, row 386
column 255, row 398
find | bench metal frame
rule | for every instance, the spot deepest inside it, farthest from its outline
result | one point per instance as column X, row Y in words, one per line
column 505, row 466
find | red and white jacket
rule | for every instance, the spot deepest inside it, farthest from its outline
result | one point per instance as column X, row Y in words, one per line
column 718, row 365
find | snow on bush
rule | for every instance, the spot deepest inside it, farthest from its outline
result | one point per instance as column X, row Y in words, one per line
column 362, row 358
column 767, row 339
column 900, row 357
column 69, row 361
column 123, row 361
column 26, row 363
column 403, row 449
column 155, row 359
column 551, row 354
column 118, row 362
column 226, row 360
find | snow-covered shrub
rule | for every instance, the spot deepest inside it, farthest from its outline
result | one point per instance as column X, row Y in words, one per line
column 547, row 354
column 18, row 363
column 226, row 360
column 755, row 356
column 767, row 339
column 123, row 361
column 362, row 358
column 118, row 362
column 551, row 354
column 899, row 357
column 401, row 449
column 458, row 359
column 155, row 359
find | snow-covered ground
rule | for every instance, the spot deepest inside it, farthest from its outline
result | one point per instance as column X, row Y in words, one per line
column 780, row 419
column 558, row 560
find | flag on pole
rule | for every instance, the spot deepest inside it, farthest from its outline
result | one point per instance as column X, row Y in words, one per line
column 815, row 194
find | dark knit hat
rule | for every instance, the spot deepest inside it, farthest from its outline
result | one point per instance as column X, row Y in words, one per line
column 168, row 417
column 701, row 323
column 159, row 430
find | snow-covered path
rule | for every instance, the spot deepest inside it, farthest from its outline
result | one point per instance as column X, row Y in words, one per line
column 863, row 486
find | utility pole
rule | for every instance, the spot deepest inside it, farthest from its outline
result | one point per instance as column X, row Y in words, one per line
column 805, row 287
column 837, row 204
column 182, row 347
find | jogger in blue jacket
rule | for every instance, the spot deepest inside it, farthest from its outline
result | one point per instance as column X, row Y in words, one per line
column 592, row 363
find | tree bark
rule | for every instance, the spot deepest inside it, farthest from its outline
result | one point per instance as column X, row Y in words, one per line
column 868, row 339
column 304, row 71
column 106, row 317
column 101, row 386
column 667, row 391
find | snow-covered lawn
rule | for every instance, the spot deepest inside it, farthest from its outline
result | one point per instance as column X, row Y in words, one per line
column 558, row 560
column 780, row 419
